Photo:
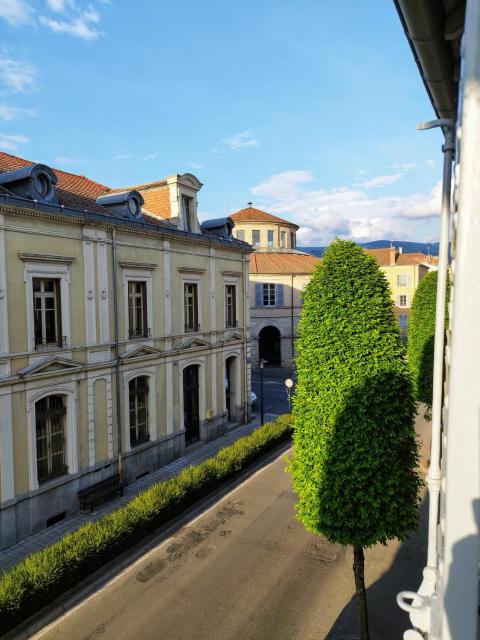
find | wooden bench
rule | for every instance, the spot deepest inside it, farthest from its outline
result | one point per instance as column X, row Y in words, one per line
column 100, row 491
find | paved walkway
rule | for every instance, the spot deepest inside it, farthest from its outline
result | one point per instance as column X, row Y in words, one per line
column 14, row 554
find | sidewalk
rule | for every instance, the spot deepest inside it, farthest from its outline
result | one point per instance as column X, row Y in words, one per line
column 14, row 554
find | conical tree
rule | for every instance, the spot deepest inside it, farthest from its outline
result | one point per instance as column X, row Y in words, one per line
column 421, row 337
column 354, row 466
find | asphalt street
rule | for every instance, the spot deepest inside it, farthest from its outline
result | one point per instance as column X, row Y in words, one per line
column 247, row 569
column 274, row 391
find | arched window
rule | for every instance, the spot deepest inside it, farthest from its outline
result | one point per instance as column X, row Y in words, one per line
column 138, row 405
column 50, row 415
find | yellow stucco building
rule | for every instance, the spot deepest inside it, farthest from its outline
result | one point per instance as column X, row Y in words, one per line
column 124, row 328
column 278, row 274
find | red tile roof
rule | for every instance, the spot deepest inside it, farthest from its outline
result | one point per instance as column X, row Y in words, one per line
column 385, row 257
column 283, row 263
column 77, row 192
column 250, row 214
column 416, row 258
column 391, row 256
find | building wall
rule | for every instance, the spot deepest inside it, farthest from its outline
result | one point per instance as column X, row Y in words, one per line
column 84, row 371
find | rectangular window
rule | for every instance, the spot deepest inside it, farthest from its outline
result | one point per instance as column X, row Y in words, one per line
column 269, row 299
column 187, row 213
column 402, row 301
column 190, row 306
column 137, row 309
column 138, row 406
column 403, row 280
column 403, row 321
column 47, row 315
column 270, row 238
column 292, row 240
column 241, row 235
column 256, row 238
column 283, row 236
column 230, row 305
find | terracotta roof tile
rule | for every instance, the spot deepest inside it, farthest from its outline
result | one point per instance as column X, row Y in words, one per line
column 77, row 192
column 250, row 214
column 416, row 258
column 385, row 257
column 283, row 263
column 157, row 201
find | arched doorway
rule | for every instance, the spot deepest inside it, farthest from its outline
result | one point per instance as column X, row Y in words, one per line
column 231, row 390
column 191, row 404
column 269, row 345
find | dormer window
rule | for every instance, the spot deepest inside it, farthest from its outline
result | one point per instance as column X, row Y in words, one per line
column 187, row 213
column 124, row 204
column 133, row 207
column 34, row 182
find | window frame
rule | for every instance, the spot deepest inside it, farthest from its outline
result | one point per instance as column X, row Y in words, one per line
column 142, row 273
column 234, row 306
column 187, row 210
column 270, row 237
column 153, row 428
column 241, row 235
column 283, row 239
column 405, row 277
column 136, row 393
column 403, row 295
column 43, row 296
column 144, row 331
column 45, row 267
column 268, row 295
column 195, row 326
column 256, row 244
column 49, row 414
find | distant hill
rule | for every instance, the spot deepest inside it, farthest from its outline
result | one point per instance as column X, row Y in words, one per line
column 408, row 247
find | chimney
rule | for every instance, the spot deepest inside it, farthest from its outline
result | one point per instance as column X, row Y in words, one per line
column 393, row 256
column 400, row 250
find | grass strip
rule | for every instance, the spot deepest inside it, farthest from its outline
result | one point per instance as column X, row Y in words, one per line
column 43, row 576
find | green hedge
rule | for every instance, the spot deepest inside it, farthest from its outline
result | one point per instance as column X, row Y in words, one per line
column 44, row 575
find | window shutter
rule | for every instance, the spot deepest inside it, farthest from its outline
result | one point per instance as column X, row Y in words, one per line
column 279, row 295
column 258, row 294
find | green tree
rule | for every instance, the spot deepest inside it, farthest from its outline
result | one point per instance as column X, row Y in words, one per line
column 354, row 466
column 421, row 337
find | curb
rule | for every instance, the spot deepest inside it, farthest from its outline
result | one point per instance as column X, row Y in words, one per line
column 115, row 568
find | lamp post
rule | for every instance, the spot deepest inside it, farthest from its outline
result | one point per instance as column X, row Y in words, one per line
column 289, row 385
column 262, row 363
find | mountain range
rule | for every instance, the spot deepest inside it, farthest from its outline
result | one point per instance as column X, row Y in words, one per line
column 407, row 247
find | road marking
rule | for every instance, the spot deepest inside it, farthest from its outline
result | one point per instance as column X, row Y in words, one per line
column 149, row 553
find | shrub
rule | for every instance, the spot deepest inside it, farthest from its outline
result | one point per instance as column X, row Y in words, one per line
column 44, row 575
column 421, row 336
column 355, row 452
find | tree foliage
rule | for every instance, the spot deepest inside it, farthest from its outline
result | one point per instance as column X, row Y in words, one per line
column 421, row 337
column 354, row 466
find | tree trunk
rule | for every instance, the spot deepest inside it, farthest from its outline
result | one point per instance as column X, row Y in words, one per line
column 362, row 613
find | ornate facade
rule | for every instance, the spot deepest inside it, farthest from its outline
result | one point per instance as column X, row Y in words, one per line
column 124, row 328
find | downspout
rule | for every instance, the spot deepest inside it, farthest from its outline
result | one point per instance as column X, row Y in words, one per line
column 421, row 608
column 246, row 311
column 117, row 353
column 292, row 323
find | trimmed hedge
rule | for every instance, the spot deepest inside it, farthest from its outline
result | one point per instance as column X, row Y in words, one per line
column 44, row 575
column 421, row 336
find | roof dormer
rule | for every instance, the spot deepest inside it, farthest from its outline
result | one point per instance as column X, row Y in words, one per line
column 183, row 201
column 124, row 204
column 35, row 182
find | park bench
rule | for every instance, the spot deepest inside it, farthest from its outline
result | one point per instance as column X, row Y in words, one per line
column 100, row 491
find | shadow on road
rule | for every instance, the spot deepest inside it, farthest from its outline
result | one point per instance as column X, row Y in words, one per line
column 387, row 620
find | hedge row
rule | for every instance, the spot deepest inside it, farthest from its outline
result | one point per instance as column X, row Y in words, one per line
column 44, row 575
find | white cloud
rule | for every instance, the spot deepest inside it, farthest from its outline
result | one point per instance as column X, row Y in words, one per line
column 15, row 74
column 352, row 213
column 151, row 156
column 430, row 163
column 65, row 160
column 8, row 113
column 60, row 6
column 404, row 166
column 242, row 140
column 195, row 165
column 381, row 181
column 82, row 25
column 11, row 142
column 15, row 12
column 123, row 156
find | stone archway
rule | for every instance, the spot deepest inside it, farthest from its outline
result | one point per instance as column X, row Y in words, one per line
column 269, row 345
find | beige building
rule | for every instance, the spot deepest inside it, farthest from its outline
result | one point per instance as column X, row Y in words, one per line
column 278, row 275
column 124, row 328
column 403, row 272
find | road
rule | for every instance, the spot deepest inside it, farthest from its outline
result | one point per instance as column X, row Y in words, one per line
column 246, row 569
column 274, row 390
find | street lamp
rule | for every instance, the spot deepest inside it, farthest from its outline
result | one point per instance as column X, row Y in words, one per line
column 262, row 363
column 289, row 385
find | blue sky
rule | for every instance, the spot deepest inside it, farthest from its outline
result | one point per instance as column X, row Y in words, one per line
column 307, row 108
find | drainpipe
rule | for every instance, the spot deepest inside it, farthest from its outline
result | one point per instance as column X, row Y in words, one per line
column 246, row 312
column 292, row 323
column 117, row 352
column 421, row 608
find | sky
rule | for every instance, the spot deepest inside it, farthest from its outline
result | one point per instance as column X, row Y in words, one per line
column 306, row 108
